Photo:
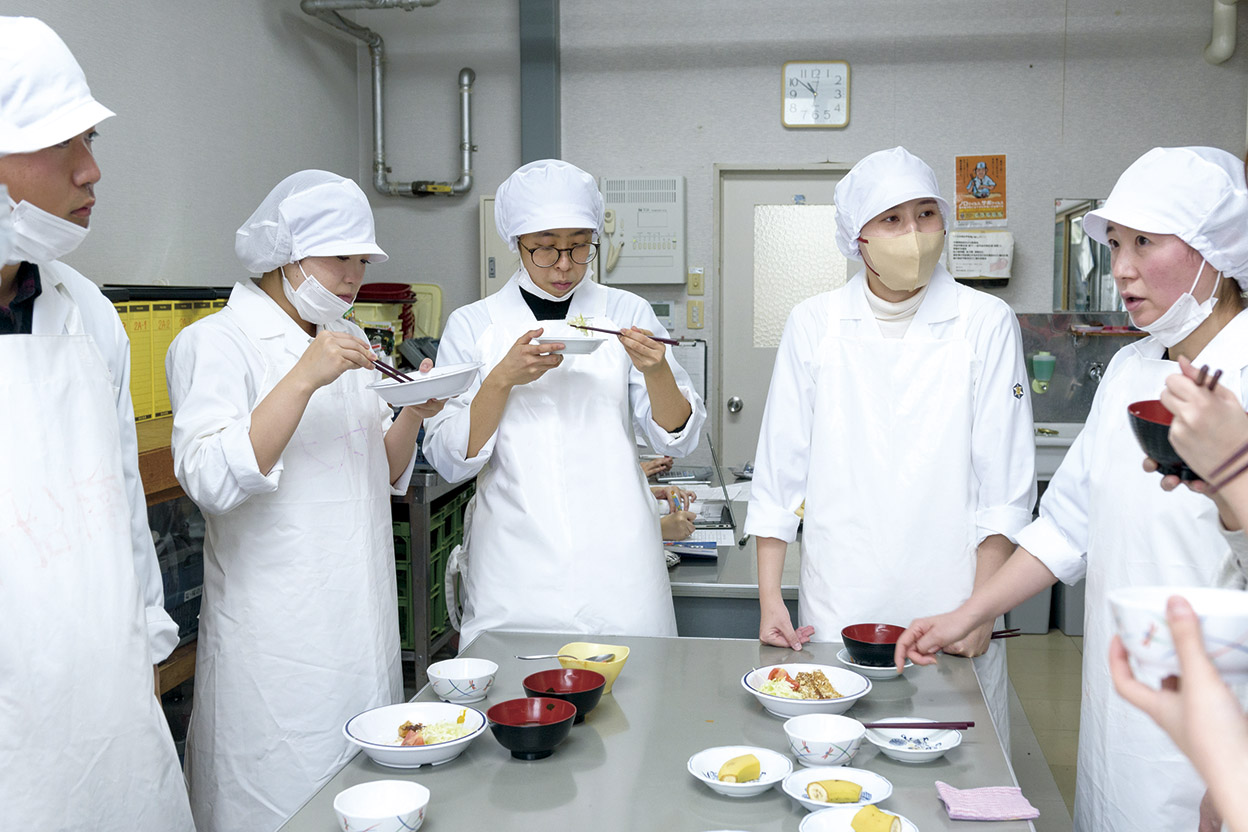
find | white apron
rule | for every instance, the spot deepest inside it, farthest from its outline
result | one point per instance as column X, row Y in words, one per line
column 299, row 627
column 1130, row 775
column 83, row 741
column 563, row 536
column 890, row 532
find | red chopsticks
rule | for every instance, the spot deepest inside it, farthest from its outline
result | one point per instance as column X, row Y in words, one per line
column 671, row 341
column 1012, row 633
column 387, row 370
column 897, row 726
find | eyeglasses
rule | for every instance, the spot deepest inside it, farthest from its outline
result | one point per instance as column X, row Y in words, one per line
column 547, row 256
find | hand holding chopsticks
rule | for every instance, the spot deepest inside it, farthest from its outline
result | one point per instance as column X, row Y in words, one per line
column 1210, row 429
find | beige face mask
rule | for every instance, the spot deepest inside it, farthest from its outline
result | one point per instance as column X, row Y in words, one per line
column 905, row 263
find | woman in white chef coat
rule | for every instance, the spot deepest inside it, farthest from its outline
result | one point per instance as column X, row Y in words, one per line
column 292, row 460
column 898, row 413
column 1175, row 227
column 563, row 536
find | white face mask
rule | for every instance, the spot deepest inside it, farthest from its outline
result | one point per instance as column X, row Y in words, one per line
column 40, row 237
column 526, row 283
column 1183, row 316
column 314, row 303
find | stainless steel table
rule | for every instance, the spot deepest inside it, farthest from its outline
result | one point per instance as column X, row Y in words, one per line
column 624, row 767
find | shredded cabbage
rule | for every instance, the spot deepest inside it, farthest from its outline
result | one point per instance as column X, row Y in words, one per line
column 444, row 731
column 780, row 687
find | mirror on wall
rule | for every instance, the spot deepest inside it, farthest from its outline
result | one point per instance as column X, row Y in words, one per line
column 1081, row 277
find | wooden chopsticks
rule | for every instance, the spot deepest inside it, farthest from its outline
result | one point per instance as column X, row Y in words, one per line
column 1006, row 633
column 897, row 726
column 670, row 341
column 387, row 370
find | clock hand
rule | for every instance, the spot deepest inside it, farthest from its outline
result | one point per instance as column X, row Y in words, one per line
column 809, row 87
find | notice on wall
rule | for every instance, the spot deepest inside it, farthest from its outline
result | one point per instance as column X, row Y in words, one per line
column 980, row 253
column 980, row 191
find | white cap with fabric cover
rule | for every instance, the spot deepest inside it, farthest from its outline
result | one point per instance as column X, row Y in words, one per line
column 546, row 195
column 313, row 213
column 1198, row 194
column 883, row 180
column 44, row 98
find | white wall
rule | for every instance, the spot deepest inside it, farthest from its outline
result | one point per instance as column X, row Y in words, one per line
column 216, row 102
column 1070, row 90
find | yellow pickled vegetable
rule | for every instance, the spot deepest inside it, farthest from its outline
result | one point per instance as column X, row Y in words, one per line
column 871, row 819
column 743, row 769
column 833, row 791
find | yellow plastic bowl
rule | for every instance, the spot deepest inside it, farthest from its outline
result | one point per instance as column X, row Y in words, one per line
column 609, row 669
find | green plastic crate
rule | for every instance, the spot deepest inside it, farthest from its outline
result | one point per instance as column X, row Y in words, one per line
column 402, row 574
column 406, row 626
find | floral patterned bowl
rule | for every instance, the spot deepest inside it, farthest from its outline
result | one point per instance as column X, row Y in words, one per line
column 913, row 745
column 461, row 680
column 824, row 739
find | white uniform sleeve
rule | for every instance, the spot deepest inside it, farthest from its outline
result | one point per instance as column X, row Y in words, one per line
column 101, row 322
column 783, row 456
column 683, row 441
column 1003, row 451
column 386, row 414
column 446, row 434
column 1059, row 538
column 213, row 397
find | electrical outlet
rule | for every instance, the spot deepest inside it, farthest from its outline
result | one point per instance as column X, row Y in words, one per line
column 697, row 284
column 693, row 314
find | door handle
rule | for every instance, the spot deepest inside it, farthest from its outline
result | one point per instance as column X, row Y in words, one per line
column 735, row 404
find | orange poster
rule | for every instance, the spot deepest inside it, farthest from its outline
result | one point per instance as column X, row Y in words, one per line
column 980, row 190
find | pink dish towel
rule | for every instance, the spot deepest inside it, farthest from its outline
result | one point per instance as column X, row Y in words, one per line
column 990, row 803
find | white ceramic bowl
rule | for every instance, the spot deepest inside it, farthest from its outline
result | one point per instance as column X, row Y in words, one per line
column 874, row 787
column 462, row 680
column 1140, row 613
column 878, row 673
column 838, row 819
column 824, row 739
column 913, row 745
column 705, row 766
column 438, row 383
column 382, row 806
column 852, row 687
column 573, row 344
column 377, row 731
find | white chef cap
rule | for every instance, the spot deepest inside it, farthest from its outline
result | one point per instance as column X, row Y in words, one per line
column 544, row 195
column 44, row 99
column 312, row 213
column 1198, row 194
column 884, row 179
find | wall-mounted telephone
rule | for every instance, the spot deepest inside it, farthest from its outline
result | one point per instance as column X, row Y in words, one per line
column 644, row 228
column 613, row 248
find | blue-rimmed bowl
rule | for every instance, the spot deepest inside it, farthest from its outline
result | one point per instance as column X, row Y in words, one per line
column 462, row 680
column 852, row 687
column 376, row 732
column 705, row 766
column 824, row 739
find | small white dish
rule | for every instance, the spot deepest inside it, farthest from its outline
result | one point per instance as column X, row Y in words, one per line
column 461, row 680
column 839, row 818
column 573, row 344
column 376, row 732
column 881, row 673
column 824, row 739
column 913, row 745
column 705, row 766
column 382, row 806
column 852, row 687
column 874, row 787
column 438, row 383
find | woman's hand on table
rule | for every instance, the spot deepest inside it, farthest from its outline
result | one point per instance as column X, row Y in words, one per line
column 526, row 362
column 927, row 636
column 646, row 354
column 776, row 627
column 330, row 355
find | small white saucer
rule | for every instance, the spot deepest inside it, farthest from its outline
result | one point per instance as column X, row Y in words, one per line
column 882, row 673
column 573, row 344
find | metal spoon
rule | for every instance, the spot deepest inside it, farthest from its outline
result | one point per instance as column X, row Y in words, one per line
column 604, row 657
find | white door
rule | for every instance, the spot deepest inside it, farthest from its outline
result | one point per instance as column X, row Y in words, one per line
column 776, row 247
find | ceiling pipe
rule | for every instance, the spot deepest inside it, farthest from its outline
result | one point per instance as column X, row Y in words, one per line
column 327, row 11
column 1222, row 41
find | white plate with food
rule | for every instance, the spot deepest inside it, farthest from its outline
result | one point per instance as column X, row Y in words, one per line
column 794, row 689
column 819, row 788
column 870, row 672
column 438, row 383
column 434, row 732
column 915, row 744
column 842, row 819
column 739, row 770
column 573, row 344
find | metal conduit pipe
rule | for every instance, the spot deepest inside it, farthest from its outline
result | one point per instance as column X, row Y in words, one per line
column 327, row 11
column 1222, row 41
